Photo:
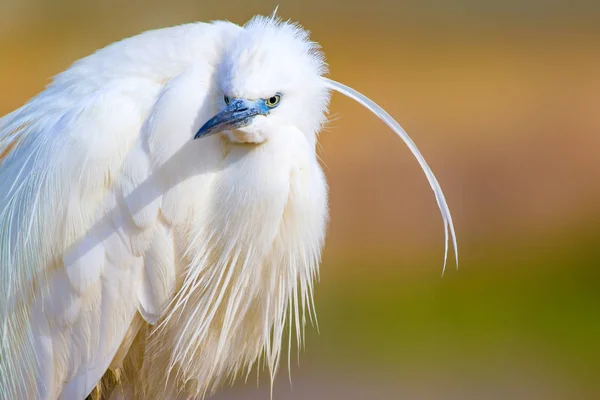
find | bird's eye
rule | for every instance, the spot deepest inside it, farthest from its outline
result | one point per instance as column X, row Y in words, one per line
column 226, row 100
column 273, row 101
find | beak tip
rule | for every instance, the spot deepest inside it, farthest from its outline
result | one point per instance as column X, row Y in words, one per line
column 203, row 131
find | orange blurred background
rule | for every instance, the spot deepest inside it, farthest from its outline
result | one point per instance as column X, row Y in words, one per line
column 502, row 99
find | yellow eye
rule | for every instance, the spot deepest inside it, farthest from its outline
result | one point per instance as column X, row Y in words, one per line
column 273, row 101
column 226, row 100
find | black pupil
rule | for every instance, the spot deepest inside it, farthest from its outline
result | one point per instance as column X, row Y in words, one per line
column 226, row 99
column 273, row 100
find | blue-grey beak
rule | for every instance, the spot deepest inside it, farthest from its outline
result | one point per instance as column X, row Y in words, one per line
column 237, row 114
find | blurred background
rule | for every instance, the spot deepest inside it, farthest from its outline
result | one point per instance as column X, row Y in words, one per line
column 502, row 98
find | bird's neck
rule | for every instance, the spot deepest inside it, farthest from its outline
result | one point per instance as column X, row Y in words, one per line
column 250, row 258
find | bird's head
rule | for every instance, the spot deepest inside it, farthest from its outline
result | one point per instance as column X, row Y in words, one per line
column 270, row 78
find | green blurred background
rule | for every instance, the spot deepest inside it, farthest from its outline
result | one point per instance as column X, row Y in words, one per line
column 502, row 98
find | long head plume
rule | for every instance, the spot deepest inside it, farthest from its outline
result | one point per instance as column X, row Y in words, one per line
column 395, row 126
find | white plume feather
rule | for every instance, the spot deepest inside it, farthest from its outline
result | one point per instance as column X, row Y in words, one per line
column 395, row 126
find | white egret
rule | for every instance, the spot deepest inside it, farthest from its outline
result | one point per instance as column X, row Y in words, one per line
column 138, row 262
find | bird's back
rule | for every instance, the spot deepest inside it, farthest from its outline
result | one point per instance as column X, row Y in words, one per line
column 80, row 255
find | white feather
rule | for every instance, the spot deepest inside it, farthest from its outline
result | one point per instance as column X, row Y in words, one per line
column 395, row 126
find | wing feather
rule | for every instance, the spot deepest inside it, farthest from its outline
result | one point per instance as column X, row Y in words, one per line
column 74, row 298
column 84, row 245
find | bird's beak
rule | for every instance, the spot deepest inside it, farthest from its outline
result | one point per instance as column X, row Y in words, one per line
column 237, row 114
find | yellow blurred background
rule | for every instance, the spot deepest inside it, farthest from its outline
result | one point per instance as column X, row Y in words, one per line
column 502, row 98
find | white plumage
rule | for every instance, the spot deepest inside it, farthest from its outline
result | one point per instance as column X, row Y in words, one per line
column 132, row 252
